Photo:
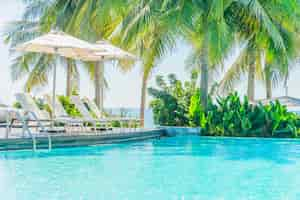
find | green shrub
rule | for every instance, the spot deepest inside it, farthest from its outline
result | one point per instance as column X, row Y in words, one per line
column 171, row 101
column 177, row 104
column 230, row 116
column 116, row 124
column 17, row 105
column 69, row 106
column 195, row 110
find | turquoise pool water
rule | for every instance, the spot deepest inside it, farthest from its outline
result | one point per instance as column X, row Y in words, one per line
column 186, row 168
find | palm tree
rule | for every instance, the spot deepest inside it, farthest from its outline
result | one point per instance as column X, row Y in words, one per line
column 274, row 33
column 210, row 38
column 150, row 30
column 36, row 66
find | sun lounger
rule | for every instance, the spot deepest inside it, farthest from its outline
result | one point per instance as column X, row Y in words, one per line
column 42, row 118
column 31, row 111
column 94, row 108
column 87, row 116
column 60, row 112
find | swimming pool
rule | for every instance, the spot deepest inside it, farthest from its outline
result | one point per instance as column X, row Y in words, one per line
column 183, row 167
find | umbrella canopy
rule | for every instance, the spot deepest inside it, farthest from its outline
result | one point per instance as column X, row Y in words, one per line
column 57, row 42
column 103, row 50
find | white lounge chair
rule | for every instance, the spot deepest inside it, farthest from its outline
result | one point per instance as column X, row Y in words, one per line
column 32, row 112
column 87, row 116
column 94, row 108
column 60, row 112
column 42, row 118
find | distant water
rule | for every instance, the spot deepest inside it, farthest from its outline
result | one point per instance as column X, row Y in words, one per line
column 134, row 112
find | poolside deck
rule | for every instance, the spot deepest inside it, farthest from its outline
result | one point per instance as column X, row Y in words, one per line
column 16, row 141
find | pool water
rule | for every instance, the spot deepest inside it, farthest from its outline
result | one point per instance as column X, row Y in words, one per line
column 182, row 167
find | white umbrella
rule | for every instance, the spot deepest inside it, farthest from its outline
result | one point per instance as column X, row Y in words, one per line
column 60, row 43
column 57, row 42
column 103, row 50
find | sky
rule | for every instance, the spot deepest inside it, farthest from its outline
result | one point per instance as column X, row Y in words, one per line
column 124, row 89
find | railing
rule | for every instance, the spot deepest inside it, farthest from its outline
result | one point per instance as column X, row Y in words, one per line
column 24, row 119
column 42, row 130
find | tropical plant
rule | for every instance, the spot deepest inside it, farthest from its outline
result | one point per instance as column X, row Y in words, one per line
column 171, row 101
column 270, row 39
column 195, row 110
column 230, row 116
column 149, row 31
column 178, row 104
column 69, row 106
column 265, row 26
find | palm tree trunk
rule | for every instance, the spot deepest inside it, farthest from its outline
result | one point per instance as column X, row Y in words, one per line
column 143, row 99
column 269, row 88
column 204, row 78
column 251, row 81
column 268, row 83
column 204, row 86
column 69, row 78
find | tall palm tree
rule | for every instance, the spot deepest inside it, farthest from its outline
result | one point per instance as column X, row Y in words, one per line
column 210, row 38
column 150, row 31
column 273, row 33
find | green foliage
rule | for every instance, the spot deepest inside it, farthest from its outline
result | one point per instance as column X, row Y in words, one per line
column 172, row 100
column 116, row 124
column 230, row 116
column 178, row 105
column 195, row 109
column 39, row 102
column 69, row 106
column 17, row 105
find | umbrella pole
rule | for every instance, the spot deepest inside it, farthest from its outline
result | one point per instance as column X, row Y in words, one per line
column 53, row 97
